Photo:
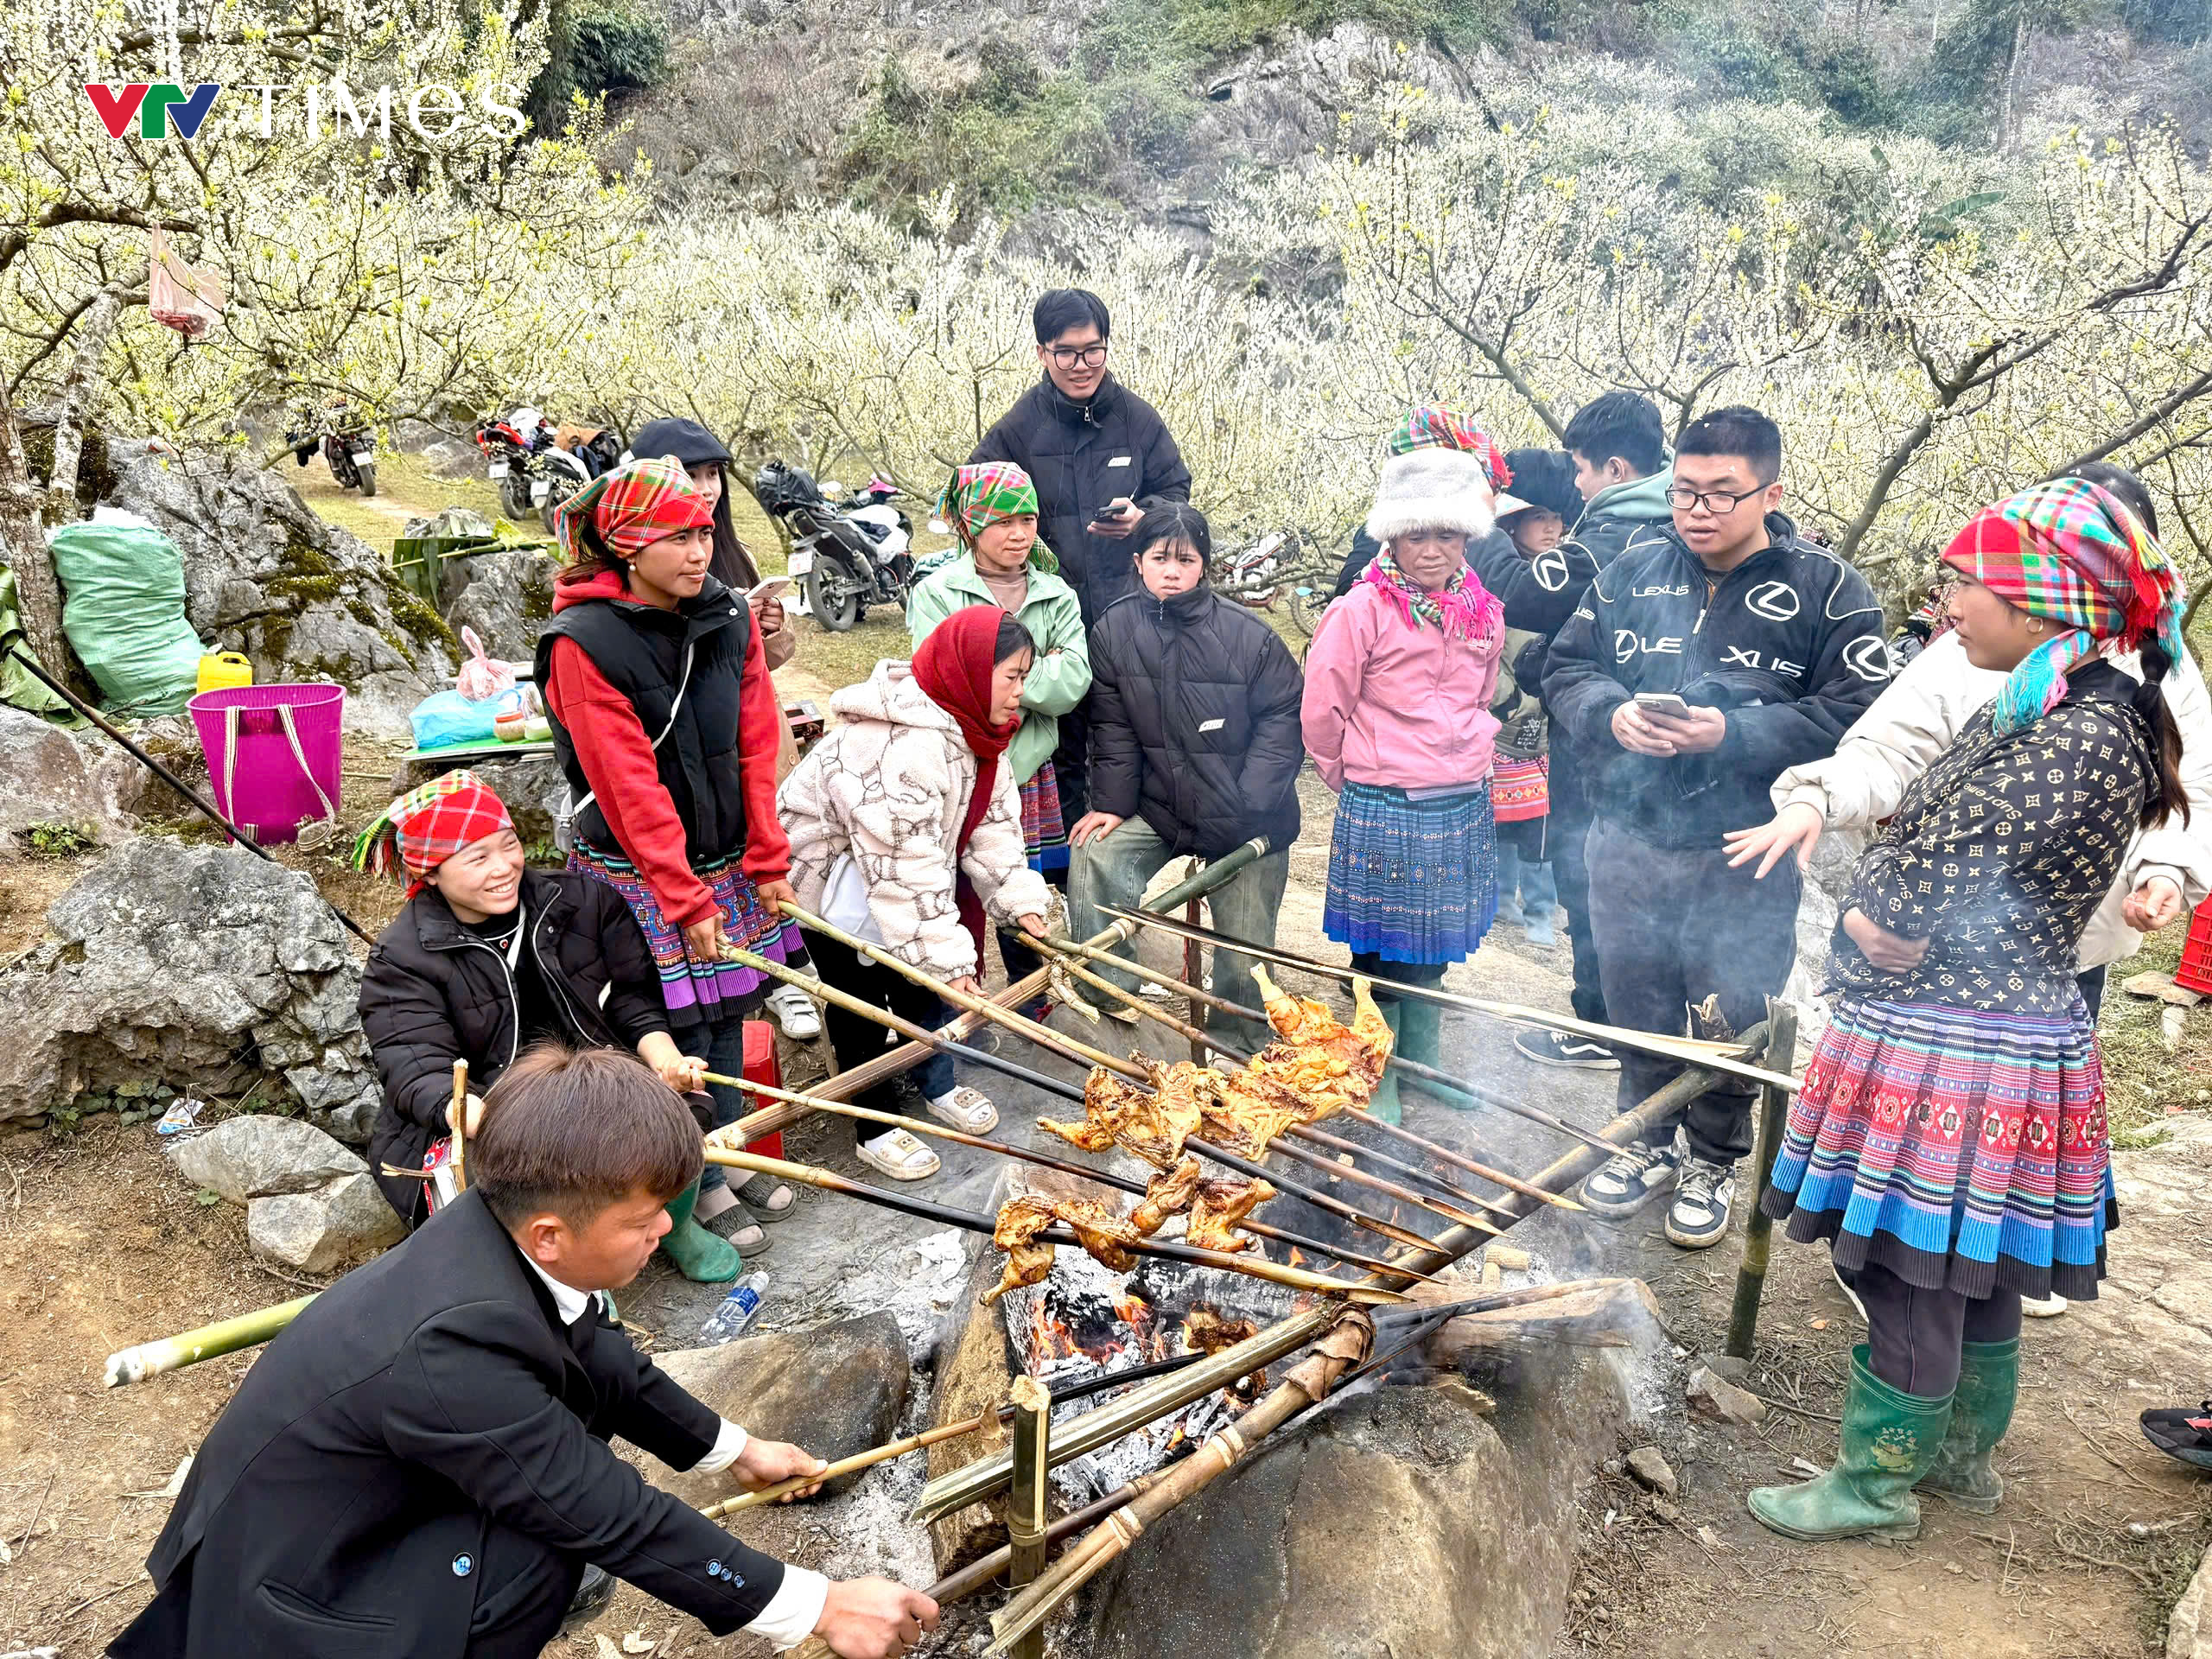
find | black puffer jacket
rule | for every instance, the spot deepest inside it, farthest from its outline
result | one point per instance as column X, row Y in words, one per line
column 434, row 993
column 1194, row 722
column 1082, row 456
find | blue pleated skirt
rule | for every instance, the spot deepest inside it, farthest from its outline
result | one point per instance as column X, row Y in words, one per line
column 1412, row 880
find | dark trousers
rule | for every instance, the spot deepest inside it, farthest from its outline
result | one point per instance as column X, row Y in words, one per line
column 1672, row 929
column 2092, row 982
column 1913, row 1335
column 1071, row 763
column 1566, row 828
column 1021, row 961
column 856, row 1040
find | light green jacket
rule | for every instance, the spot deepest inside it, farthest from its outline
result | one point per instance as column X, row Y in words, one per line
column 1062, row 672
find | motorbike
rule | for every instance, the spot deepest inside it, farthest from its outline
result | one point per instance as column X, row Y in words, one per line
column 538, row 466
column 848, row 551
column 349, row 451
column 509, row 464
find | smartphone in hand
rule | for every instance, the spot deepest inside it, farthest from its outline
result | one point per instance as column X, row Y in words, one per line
column 770, row 587
column 1663, row 702
column 1112, row 513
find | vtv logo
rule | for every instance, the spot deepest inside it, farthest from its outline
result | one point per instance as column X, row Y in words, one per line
column 156, row 106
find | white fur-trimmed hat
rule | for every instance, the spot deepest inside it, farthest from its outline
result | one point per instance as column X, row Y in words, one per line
column 1436, row 489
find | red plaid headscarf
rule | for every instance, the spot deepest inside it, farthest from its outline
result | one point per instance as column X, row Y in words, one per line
column 631, row 508
column 2071, row 552
column 427, row 826
column 1434, row 427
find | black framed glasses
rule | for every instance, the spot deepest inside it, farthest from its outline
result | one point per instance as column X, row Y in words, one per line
column 1682, row 499
column 1067, row 357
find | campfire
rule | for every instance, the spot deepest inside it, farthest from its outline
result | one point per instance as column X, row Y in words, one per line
column 1086, row 1322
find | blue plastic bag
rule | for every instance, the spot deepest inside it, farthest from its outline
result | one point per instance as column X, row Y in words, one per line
column 447, row 718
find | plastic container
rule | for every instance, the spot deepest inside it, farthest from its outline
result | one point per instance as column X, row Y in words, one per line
column 2194, row 971
column 273, row 765
column 223, row 671
column 738, row 1311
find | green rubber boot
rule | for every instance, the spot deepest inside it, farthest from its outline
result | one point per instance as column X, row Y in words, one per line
column 1981, row 1410
column 1889, row 1439
column 1421, row 1040
column 1383, row 1103
column 698, row 1255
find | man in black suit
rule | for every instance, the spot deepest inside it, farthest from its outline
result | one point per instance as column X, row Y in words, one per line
column 419, row 1464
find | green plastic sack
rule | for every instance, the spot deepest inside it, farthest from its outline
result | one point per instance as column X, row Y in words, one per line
column 18, row 686
column 123, row 608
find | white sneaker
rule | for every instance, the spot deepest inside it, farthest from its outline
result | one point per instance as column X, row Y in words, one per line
column 965, row 1109
column 900, row 1156
column 2047, row 1307
column 796, row 1012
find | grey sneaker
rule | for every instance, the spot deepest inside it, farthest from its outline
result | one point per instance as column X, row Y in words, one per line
column 1699, row 1216
column 1631, row 1178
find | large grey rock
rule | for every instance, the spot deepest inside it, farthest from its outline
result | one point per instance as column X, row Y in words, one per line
column 264, row 575
column 2189, row 1631
column 258, row 1156
column 128, row 787
column 318, row 1231
column 507, row 597
column 836, row 1390
column 50, row 780
column 166, row 963
column 533, row 788
column 1402, row 1520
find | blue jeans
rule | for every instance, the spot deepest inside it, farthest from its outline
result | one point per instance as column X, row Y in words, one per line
column 1115, row 870
column 855, row 1039
column 725, row 1054
column 1531, row 881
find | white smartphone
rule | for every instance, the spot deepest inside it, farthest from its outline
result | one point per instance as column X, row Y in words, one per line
column 770, row 587
column 1663, row 702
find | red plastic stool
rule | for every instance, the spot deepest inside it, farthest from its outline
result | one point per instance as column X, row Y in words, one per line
column 2194, row 971
column 761, row 1066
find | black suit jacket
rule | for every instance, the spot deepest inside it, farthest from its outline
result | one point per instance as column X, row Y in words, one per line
column 419, row 1463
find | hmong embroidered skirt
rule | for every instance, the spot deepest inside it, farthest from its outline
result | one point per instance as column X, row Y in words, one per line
column 1043, row 831
column 1962, row 1151
column 698, row 994
column 1412, row 880
column 1520, row 789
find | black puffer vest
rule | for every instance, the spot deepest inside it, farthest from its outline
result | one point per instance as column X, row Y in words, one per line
column 651, row 657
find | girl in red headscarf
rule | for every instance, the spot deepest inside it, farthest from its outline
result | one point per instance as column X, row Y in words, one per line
column 666, row 722
column 486, row 958
column 905, row 828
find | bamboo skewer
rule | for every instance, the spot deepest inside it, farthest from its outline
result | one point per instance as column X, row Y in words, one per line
column 1067, row 1091
column 461, row 1126
column 190, row 1347
column 1425, row 1074
column 1045, row 1160
column 1673, row 1048
column 1306, row 1131
column 867, row 1460
column 1391, row 1189
column 830, row 1181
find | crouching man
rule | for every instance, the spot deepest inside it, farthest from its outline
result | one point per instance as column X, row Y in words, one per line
column 419, row 1463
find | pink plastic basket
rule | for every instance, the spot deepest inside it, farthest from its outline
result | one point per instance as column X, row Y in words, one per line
column 273, row 765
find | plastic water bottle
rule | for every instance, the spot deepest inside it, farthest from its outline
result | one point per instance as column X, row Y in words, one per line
column 737, row 1310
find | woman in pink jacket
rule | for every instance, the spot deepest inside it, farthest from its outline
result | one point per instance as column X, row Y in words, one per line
column 1396, row 716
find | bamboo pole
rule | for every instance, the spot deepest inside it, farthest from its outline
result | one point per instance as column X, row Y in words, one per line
column 1359, row 1177
column 1026, row 1512
column 460, row 1116
column 1614, row 1036
column 830, row 1181
column 731, row 1137
column 867, row 1460
column 1758, row 1227
column 190, row 1347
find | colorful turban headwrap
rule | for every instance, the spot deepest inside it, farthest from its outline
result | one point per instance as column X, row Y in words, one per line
column 427, row 826
column 978, row 496
column 631, row 508
column 2071, row 552
column 1434, row 427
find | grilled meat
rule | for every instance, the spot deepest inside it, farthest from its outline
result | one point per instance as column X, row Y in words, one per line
column 1207, row 1332
column 1028, row 1260
column 1104, row 1234
column 1218, row 1206
column 1167, row 1194
column 1153, row 1125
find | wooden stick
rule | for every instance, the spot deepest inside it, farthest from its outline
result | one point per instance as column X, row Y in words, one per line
column 732, row 1136
column 1613, row 1036
column 460, row 1148
column 830, row 1181
column 1511, row 1183
column 867, row 1460
column 1404, row 1194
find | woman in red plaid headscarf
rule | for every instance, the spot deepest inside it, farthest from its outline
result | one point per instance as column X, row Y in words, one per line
column 1949, row 1140
column 486, row 958
column 666, row 722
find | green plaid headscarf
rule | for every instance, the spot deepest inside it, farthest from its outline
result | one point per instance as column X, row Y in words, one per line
column 978, row 496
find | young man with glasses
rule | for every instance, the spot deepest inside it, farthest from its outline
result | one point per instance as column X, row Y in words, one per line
column 1715, row 652
column 1100, row 457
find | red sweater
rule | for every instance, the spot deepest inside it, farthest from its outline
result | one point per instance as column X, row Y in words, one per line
column 616, row 753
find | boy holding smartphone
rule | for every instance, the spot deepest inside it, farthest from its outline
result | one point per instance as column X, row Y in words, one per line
column 1715, row 652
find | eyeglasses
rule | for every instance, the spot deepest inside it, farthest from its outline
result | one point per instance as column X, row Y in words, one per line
column 1066, row 357
column 1681, row 498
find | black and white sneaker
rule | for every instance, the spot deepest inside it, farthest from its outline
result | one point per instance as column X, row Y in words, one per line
column 1630, row 1179
column 1562, row 1048
column 1699, row 1216
column 2180, row 1433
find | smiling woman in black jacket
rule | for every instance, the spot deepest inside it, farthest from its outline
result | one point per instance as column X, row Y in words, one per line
column 486, row 958
column 1195, row 746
